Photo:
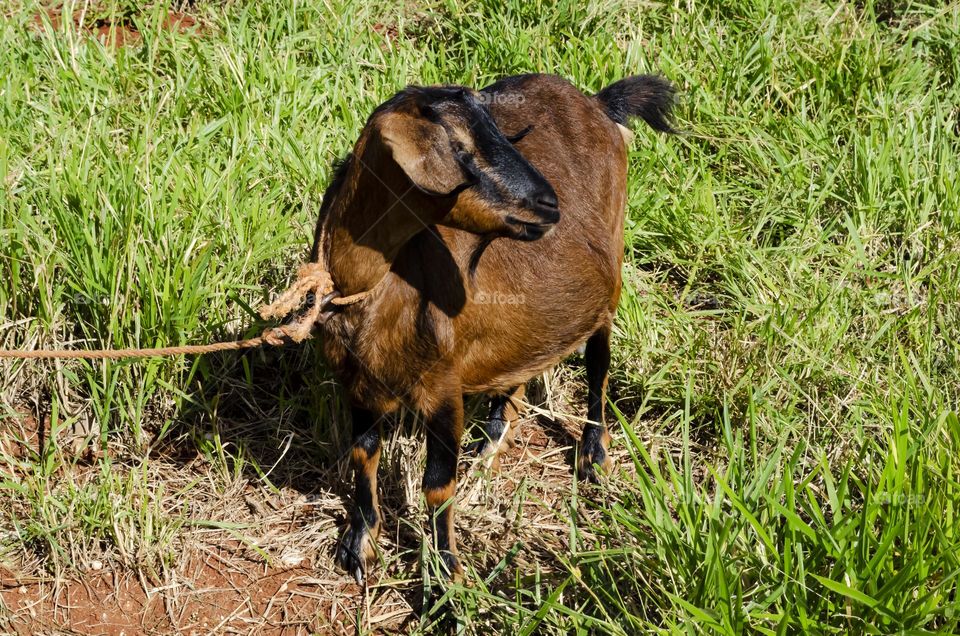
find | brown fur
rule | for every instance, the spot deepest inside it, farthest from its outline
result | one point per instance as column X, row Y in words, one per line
column 367, row 466
column 428, row 332
column 421, row 331
column 437, row 496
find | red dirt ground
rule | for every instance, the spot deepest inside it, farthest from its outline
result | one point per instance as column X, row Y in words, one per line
column 113, row 31
column 209, row 597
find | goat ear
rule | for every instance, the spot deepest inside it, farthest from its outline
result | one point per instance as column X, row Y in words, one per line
column 422, row 149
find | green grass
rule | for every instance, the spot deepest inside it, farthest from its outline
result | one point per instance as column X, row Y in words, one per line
column 786, row 371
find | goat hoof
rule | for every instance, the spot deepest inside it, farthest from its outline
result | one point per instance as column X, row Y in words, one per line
column 592, row 457
column 452, row 568
column 477, row 448
column 488, row 451
column 355, row 551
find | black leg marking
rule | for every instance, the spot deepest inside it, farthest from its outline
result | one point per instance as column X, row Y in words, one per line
column 444, row 429
column 596, row 439
column 498, row 430
column 493, row 428
column 357, row 543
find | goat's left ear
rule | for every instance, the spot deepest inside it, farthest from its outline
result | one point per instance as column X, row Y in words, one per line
column 422, row 149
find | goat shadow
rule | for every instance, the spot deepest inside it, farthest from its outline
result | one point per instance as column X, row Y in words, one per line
column 280, row 411
column 276, row 408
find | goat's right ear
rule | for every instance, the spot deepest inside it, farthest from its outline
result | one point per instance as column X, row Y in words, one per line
column 422, row 149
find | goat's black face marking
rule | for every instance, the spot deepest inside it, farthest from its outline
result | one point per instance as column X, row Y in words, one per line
column 509, row 177
column 518, row 200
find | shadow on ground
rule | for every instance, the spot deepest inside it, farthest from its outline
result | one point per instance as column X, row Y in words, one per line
column 255, row 479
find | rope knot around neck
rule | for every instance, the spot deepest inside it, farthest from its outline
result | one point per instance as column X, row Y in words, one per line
column 312, row 279
column 314, row 286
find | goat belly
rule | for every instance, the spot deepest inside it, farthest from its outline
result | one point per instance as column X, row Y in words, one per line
column 485, row 373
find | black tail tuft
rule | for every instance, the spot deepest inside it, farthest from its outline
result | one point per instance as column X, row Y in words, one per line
column 649, row 97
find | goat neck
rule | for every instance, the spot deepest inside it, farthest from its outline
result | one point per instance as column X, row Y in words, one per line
column 373, row 214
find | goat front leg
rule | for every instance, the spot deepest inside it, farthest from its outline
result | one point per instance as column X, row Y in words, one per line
column 444, row 429
column 357, row 544
column 595, row 440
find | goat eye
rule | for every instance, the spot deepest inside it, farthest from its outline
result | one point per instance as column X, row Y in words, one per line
column 463, row 156
column 465, row 159
column 429, row 113
column 520, row 135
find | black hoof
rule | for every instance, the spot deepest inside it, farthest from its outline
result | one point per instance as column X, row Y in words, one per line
column 451, row 566
column 355, row 549
column 588, row 472
column 592, row 455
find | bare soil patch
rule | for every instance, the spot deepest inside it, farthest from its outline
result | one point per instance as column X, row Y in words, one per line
column 242, row 556
column 215, row 593
column 112, row 29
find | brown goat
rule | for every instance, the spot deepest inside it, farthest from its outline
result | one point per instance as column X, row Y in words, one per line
column 412, row 216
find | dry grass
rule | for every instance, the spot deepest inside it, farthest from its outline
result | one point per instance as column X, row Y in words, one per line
column 222, row 527
column 785, row 379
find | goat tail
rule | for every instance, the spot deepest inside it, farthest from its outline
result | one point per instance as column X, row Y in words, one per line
column 649, row 97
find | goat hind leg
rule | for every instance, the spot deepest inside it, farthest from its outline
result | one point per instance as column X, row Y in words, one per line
column 595, row 440
column 500, row 427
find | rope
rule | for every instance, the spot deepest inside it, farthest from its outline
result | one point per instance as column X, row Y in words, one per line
column 114, row 354
column 312, row 279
